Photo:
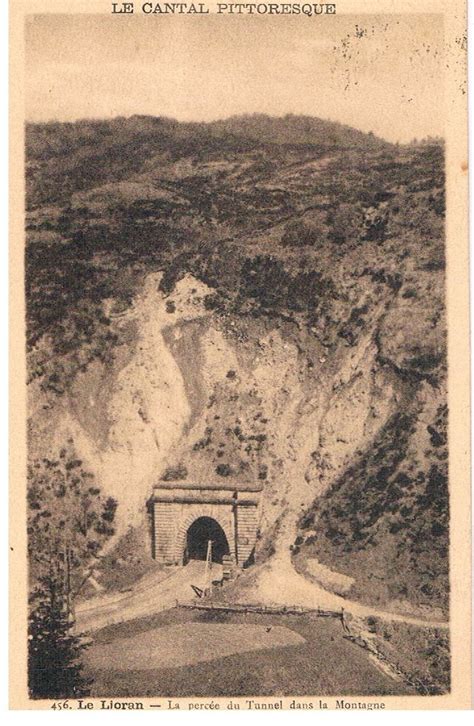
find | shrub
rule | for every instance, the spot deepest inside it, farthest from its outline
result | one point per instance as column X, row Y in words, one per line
column 302, row 233
column 173, row 473
column 223, row 470
column 345, row 223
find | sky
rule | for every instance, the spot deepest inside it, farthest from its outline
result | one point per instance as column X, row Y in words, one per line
column 379, row 73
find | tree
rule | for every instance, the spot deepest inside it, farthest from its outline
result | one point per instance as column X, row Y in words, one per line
column 68, row 523
column 54, row 666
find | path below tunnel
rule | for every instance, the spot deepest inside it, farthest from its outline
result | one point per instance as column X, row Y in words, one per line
column 153, row 593
column 275, row 582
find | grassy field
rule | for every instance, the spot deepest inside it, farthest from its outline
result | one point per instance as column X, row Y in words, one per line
column 323, row 663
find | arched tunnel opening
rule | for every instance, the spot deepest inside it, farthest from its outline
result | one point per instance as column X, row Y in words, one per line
column 199, row 533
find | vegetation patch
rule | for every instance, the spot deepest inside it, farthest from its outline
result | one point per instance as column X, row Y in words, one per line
column 422, row 654
column 385, row 521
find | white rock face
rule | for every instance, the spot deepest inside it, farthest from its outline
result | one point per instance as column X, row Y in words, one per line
column 148, row 409
column 144, row 413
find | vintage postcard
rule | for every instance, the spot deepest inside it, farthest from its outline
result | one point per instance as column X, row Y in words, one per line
column 240, row 463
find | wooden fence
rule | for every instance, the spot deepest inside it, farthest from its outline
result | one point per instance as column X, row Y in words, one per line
column 260, row 609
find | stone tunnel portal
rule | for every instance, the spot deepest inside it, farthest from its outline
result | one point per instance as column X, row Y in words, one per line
column 186, row 515
column 203, row 530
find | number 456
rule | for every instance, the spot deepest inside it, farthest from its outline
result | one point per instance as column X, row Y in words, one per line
column 60, row 705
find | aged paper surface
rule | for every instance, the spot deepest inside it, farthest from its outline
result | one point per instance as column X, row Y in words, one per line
column 240, row 345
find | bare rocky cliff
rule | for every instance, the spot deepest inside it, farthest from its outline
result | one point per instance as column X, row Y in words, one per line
column 200, row 397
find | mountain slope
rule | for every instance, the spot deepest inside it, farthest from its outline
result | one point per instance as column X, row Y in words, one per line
column 276, row 284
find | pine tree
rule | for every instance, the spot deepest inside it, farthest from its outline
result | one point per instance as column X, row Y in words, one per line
column 54, row 651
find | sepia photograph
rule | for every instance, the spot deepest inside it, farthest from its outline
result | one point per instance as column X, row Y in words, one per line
column 238, row 479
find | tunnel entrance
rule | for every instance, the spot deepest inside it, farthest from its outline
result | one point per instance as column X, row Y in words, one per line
column 200, row 532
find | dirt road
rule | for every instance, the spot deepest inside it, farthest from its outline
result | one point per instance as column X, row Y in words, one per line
column 275, row 582
column 278, row 583
column 153, row 593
